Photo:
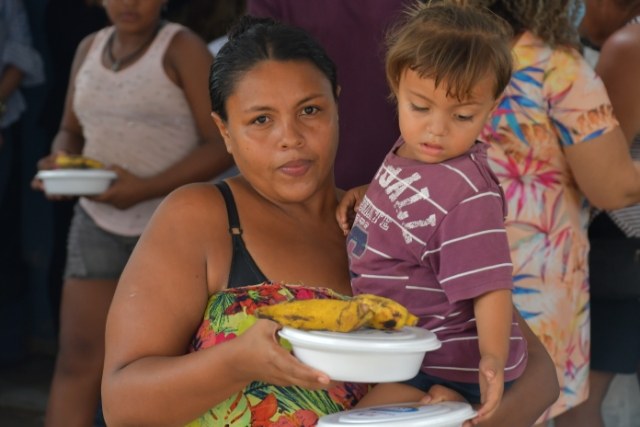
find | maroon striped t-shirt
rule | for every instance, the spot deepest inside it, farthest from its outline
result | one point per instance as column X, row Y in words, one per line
column 432, row 237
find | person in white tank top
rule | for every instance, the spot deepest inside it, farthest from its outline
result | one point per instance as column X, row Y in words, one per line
column 137, row 102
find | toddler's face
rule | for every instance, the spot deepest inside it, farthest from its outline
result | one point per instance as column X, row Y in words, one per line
column 436, row 127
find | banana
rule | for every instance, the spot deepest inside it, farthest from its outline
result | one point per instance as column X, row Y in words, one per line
column 319, row 314
column 74, row 161
column 364, row 310
column 388, row 314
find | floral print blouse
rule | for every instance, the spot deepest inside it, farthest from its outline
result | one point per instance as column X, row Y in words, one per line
column 228, row 314
column 554, row 100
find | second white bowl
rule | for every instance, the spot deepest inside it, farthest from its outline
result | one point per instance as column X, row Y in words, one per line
column 76, row 182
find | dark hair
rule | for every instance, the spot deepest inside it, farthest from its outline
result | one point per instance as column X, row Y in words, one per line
column 452, row 43
column 252, row 40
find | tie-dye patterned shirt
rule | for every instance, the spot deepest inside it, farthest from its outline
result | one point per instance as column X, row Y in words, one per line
column 228, row 314
column 554, row 100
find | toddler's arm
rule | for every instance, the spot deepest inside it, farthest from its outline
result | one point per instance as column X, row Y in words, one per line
column 493, row 312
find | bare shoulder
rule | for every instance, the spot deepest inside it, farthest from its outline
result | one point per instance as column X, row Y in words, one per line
column 187, row 46
column 83, row 49
column 622, row 46
column 198, row 203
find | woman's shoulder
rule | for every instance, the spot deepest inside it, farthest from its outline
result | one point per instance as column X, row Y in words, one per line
column 86, row 43
column 196, row 204
column 621, row 48
column 186, row 56
column 185, row 42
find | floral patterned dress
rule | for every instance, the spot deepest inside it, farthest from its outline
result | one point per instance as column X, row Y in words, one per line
column 554, row 100
column 228, row 314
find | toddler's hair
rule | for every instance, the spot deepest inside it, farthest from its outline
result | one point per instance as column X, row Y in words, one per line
column 452, row 42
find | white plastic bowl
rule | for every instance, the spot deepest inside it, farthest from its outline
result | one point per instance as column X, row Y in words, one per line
column 445, row 414
column 366, row 355
column 76, row 182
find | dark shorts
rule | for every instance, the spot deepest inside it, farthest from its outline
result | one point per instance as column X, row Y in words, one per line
column 470, row 391
column 615, row 335
column 93, row 253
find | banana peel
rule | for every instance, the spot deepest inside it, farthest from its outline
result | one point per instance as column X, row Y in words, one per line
column 75, row 161
column 336, row 315
column 319, row 314
column 388, row 314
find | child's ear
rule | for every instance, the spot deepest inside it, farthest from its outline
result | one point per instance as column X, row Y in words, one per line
column 224, row 131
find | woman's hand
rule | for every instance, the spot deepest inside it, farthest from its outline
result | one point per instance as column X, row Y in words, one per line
column 271, row 363
column 48, row 163
column 348, row 206
column 125, row 191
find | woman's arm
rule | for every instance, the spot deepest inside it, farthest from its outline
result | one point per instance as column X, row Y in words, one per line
column 69, row 138
column 9, row 81
column 149, row 379
column 529, row 396
column 622, row 81
column 604, row 170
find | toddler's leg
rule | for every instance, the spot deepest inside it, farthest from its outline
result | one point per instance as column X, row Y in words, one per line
column 387, row 393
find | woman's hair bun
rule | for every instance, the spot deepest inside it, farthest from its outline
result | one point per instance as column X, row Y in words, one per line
column 245, row 23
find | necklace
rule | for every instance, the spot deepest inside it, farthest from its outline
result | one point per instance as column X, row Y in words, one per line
column 116, row 64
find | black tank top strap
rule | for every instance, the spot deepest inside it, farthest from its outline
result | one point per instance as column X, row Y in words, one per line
column 243, row 271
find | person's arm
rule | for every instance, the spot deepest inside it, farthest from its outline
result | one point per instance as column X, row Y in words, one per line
column 604, row 170
column 529, row 396
column 493, row 313
column 189, row 60
column 180, row 260
column 9, row 81
column 622, row 81
column 23, row 64
column 69, row 138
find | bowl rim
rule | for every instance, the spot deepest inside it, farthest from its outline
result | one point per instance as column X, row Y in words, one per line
column 409, row 339
column 76, row 173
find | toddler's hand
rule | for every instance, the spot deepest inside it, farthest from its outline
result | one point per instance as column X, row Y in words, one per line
column 348, row 206
column 439, row 393
column 491, row 387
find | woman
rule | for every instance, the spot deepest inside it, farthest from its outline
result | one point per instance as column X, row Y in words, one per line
column 613, row 27
column 274, row 97
column 555, row 143
column 135, row 102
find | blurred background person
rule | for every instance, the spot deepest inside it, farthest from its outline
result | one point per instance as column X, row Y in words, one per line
column 137, row 101
column 612, row 27
column 555, row 145
column 353, row 33
column 20, row 66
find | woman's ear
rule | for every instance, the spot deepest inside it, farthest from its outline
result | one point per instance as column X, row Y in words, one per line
column 224, row 131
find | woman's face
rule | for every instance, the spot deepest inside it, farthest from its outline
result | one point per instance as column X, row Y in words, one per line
column 282, row 129
column 134, row 15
